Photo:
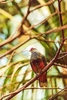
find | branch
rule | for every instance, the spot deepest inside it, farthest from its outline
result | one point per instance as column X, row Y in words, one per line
column 64, row 66
column 10, row 39
column 3, row 1
column 11, row 95
column 58, row 93
column 56, row 30
column 62, row 56
column 43, row 88
column 14, row 48
column 48, row 32
column 60, row 16
column 39, row 6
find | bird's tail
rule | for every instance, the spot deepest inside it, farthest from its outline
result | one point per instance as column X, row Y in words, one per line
column 43, row 80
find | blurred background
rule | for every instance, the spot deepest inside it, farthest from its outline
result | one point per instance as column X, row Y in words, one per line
column 20, row 30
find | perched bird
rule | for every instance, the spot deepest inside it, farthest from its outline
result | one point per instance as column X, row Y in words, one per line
column 38, row 62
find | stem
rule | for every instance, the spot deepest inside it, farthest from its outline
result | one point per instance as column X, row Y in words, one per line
column 60, row 17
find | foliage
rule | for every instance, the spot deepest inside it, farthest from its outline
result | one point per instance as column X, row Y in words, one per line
column 32, row 23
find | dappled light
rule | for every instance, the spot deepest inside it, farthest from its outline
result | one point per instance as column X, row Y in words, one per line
column 26, row 24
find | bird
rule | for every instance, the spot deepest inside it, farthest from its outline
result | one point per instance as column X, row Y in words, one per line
column 38, row 63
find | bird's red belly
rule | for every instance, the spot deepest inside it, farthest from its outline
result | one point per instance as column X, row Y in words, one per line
column 37, row 66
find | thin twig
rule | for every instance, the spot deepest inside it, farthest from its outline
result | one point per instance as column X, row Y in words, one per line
column 10, row 58
column 9, row 76
column 63, row 66
column 43, row 88
column 39, row 6
column 14, row 48
column 49, row 31
column 14, row 63
column 58, row 93
column 55, row 30
column 62, row 56
column 3, row 1
column 45, row 40
column 63, row 53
